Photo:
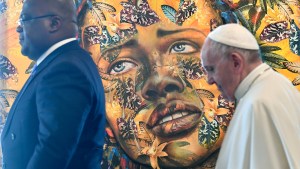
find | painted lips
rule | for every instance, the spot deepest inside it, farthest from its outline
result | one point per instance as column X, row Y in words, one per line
column 173, row 119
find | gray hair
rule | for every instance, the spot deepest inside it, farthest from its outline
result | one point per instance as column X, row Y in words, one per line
column 251, row 56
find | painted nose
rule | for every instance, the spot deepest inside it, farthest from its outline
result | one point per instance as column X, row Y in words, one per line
column 158, row 86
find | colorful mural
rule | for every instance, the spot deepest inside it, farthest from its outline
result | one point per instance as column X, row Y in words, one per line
column 161, row 113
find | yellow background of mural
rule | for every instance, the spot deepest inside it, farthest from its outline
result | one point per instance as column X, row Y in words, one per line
column 9, row 42
column 10, row 48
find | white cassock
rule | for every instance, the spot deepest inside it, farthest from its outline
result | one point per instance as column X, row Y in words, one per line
column 265, row 130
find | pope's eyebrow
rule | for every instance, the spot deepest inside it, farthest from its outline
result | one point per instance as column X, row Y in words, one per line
column 161, row 33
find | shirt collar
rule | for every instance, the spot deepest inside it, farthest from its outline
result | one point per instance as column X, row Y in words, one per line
column 52, row 48
column 249, row 80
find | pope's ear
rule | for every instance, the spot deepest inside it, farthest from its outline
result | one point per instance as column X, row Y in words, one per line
column 55, row 23
column 238, row 61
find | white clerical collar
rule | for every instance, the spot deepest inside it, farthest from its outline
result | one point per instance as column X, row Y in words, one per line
column 249, row 80
column 52, row 48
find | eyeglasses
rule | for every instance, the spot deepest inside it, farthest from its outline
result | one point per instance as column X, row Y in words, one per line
column 22, row 21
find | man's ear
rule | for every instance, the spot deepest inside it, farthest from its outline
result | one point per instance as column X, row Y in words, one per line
column 238, row 61
column 55, row 23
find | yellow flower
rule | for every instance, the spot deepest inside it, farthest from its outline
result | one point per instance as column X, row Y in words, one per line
column 154, row 152
column 211, row 109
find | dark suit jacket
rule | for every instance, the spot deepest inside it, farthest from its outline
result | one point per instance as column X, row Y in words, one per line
column 57, row 120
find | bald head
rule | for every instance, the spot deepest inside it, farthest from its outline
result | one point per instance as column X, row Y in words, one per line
column 65, row 8
column 44, row 23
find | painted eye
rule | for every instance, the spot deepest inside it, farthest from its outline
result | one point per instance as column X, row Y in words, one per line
column 121, row 67
column 182, row 48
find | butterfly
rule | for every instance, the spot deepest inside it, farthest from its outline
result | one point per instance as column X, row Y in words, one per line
column 139, row 13
column 127, row 96
column 224, row 119
column 8, row 70
column 91, row 35
column 192, row 69
column 128, row 129
column 275, row 32
column 186, row 9
column 97, row 9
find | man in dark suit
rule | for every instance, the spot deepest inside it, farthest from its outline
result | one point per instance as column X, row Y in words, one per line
column 57, row 120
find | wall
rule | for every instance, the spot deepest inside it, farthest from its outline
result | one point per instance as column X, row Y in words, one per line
column 160, row 42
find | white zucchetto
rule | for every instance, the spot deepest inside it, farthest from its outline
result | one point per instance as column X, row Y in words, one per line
column 234, row 35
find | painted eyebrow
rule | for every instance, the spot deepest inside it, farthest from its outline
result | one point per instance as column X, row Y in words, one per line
column 132, row 42
column 161, row 33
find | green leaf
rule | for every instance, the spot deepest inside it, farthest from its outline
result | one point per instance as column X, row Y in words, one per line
column 174, row 151
column 274, row 60
column 256, row 14
column 275, row 56
column 169, row 12
column 178, row 144
column 188, row 84
column 209, row 133
column 242, row 19
column 274, row 64
column 254, row 2
column 271, row 3
column 263, row 5
column 269, row 49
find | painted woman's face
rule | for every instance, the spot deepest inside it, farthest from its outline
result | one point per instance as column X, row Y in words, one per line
column 159, row 106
